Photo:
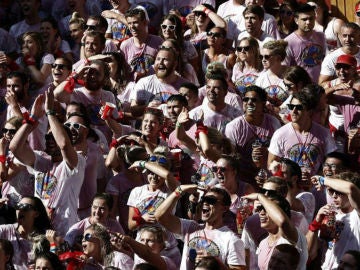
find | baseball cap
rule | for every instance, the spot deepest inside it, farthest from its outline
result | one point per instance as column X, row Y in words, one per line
column 346, row 59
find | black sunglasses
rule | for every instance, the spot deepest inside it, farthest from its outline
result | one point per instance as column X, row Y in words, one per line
column 209, row 200
column 298, row 107
column 333, row 191
column 266, row 56
column 59, row 66
column 214, row 34
column 243, row 49
column 259, row 208
column 269, row 192
column 343, row 66
column 247, row 99
column 91, row 27
column 25, row 207
column 200, row 13
column 216, row 169
column 87, row 236
column 11, row 131
column 358, row 13
column 289, row 85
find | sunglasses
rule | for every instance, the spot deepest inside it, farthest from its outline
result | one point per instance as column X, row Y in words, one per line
column 247, row 99
column 298, row 107
column 358, row 13
column 167, row 26
column 211, row 200
column 259, row 208
column 216, row 169
column 59, row 66
column 243, row 49
column 87, row 237
column 200, row 13
column 11, row 131
column 91, row 27
column 214, row 34
column 160, row 160
column 289, row 85
column 333, row 192
column 269, row 192
column 342, row 66
column 286, row 12
column 74, row 125
column 266, row 56
column 25, row 207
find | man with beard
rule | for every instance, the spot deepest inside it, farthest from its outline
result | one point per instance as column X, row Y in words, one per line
column 158, row 87
column 211, row 238
column 349, row 38
column 91, row 95
column 31, row 22
column 59, row 172
column 141, row 48
column 306, row 47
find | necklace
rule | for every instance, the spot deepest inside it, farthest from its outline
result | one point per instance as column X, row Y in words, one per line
column 303, row 146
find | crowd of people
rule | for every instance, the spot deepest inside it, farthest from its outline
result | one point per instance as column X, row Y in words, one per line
column 193, row 134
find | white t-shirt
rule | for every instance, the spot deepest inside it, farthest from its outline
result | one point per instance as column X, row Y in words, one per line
column 262, row 40
column 308, row 201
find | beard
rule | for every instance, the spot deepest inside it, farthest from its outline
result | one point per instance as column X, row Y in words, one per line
column 161, row 74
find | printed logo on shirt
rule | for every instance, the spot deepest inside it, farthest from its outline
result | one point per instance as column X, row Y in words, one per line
column 312, row 55
column 206, row 174
column 150, row 8
column 45, row 184
column 149, row 205
column 243, row 81
column 199, row 243
column 304, row 156
column 119, row 31
column 276, row 94
column 141, row 64
column 162, row 97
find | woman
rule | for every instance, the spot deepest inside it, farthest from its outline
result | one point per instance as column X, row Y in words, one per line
column 149, row 247
column 34, row 58
column 248, row 64
column 98, row 252
column 32, row 220
column 217, row 52
column 6, row 255
column 286, row 21
column 272, row 54
column 77, row 29
column 48, row 261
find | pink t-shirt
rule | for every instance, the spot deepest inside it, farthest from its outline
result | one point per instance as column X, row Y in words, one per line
column 307, row 150
column 306, row 52
column 244, row 78
column 349, row 110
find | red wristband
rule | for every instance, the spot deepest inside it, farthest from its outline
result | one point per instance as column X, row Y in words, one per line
column 114, row 143
column 29, row 60
column 314, row 226
column 29, row 119
column 2, row 159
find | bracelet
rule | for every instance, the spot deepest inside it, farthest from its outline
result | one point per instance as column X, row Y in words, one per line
column 114, row 143
column 142, row 164
column 29, row 119
column 314, row 226
column 2, row 159
column 178, row 191
column 82, row 44
column 50, row 112
column 178, row 124
column 321, row 180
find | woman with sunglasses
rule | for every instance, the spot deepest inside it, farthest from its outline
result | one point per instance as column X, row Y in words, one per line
column 144, row 200
column 286, row 23
column 272, row 54
column 98, row 250
column 31, row 220
column 248, row 64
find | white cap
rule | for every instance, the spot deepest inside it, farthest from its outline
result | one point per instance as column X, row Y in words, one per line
column 143, row 9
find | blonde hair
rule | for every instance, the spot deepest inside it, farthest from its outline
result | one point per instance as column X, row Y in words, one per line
column 277, row 47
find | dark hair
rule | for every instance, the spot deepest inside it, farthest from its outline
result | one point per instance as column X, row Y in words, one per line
column 297, row 74
column 304, row 8
column 221, row 29
column 217, row 71
column 233, row 161
column 178, row 28
column 106, row 197
column 293, row 168
column 179, row 98
column 192, row 87
column 293, row 256
column 209, row 263
column 292, row 4
column 68, row 62
column 255, row 9
column 352, row 25
column 41, row 222
column 52, row 258
column 282, row 203
column 309, row 101
column 210, row 25
column 258, row 90
column 18, row 74
column 102, row 22
column 282, row 188
column 38, row 39
column 349, row 176
column 356, row 256
column 255, row 48
column 136, row 12
column 123, row 68
column 8, row 250
column 343, row 157
column 154, row 111
column 52, row 21
column 105, row 244
column 225, row 195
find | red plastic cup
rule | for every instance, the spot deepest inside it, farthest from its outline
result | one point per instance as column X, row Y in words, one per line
column 176, row 156
column 109, row 107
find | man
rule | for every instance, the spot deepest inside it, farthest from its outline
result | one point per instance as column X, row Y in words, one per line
column 156, row 88
column 141, row 48
column 91, row 94
column 306, row 47
column 254, row 17
column 254, row 125
column 211, row 238
column 191, row 92
column 302, row 140
column 59, row 177
column 350, row 39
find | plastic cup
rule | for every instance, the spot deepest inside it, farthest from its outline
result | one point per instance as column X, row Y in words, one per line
column 254, row 145
column 109, row 107
column 176, row 156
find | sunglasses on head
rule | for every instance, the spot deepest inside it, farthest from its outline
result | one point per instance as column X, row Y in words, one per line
column 266, row 56
column 168, row 26
column 243, row 48
column 216, row 169
column 214, row 34
column 11, row 131
column 333, row 192
column 200, row 13
column 74, row 125
column 269, row 192
column 286, row 12
column 160, row 160
column 259, row 208
column 212, row 200
column 342, row 66
column 24, row 207
column 247, row 99
column 59, row 66
column 298, row 107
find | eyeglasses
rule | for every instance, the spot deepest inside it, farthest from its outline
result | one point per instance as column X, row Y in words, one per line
column 266, row 56
column 91, row 27
column 74, row 125
column 259, row 208
column 160, row 160
column 212, row 200
column 286, row 12
column 331, row 166
column 87, row 236
column 168, row 26
column 214, row 34
column 25, row 207
column 289, row 85
column 11, row 131
column 333, row 192
column 247, row 99
column 269, row 192
column 200, row 13
column 216, row 169
column 342, row 66
column 243, row 49
column 298, row 107
column 59, row 66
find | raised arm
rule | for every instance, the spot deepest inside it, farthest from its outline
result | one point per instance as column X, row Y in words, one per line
column 180, row 133
column 216, row 19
